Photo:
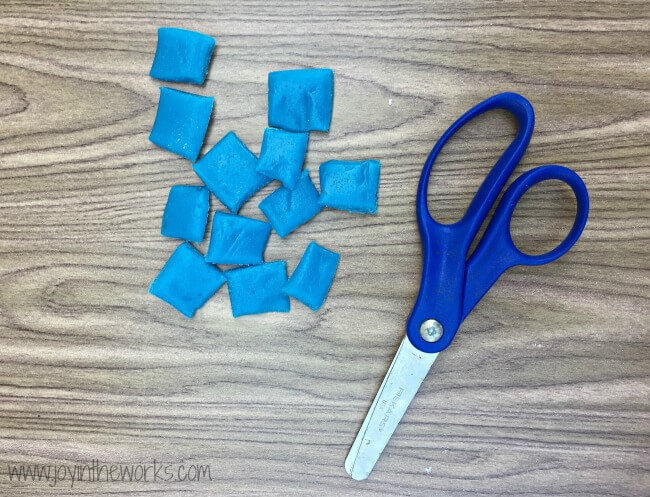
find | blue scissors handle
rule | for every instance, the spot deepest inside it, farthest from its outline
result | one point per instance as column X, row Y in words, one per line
column 451, row 285
column 496, row 252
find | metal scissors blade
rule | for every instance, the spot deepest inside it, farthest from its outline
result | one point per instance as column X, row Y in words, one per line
column 402, row 381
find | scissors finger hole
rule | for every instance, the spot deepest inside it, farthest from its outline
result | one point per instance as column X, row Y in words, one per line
column 543, row 217
column 464, row 161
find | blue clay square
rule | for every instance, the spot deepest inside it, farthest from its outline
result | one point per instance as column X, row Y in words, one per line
column 182, row 56
column 186, row 213
column 258, row 289
column 237, row 239
column 228, row 170
column 350, row 186
column 187, row 281
column 287, row 209
column 282, row 155
column 181, row 122
column 301, row 99
column 312, row 278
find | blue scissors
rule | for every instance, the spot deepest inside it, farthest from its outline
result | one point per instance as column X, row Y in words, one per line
column 452, row 284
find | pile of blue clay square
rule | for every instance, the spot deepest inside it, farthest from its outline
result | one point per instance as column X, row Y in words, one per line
column 299, row 101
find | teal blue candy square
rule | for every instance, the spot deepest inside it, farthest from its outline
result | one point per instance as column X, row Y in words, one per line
column 186, row 213
column 181, row 122
column 187, row 281
column 350, row 186
column 258, row 289
column 228, row 170
column 237, row 239
column 301, row 99
column 287, row 209
column 182, row 56
column 282, row 155
column 312, row 278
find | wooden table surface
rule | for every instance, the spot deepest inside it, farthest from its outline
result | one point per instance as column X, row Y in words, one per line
column 545, row 390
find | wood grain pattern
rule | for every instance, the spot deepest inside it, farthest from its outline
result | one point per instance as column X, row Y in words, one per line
column 546, row 388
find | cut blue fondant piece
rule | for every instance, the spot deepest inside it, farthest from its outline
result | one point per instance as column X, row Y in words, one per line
column 350, row 186
column 186, row 212
column 282, row 155
column 258, row 289
column 181, row 122
column 187, row 281
column 287, row 209
column 237, row 239
column 228, row 170
column 313, row 276
column 182, row 56
column 301, row 99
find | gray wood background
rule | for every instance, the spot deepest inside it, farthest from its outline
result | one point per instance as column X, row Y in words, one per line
column 545, row 390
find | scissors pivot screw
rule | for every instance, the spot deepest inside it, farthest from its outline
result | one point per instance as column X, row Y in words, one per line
column 431, row 330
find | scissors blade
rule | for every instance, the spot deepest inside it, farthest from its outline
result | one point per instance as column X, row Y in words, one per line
column 403, row 379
